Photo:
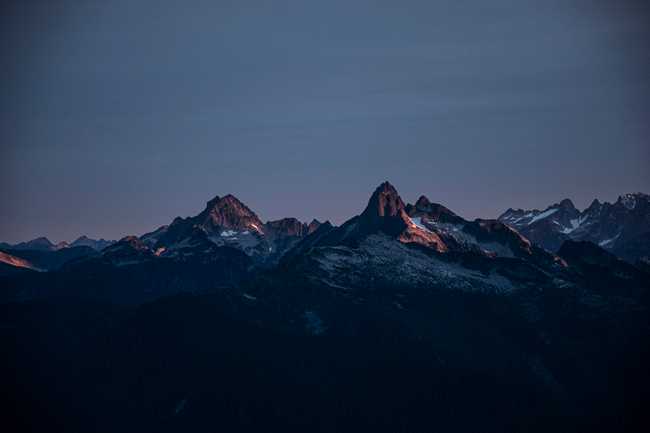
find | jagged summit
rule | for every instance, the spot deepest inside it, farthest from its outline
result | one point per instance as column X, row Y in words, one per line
column 428, row 225
column 595, row 204
column 286, row 227
column 423, row 202
column 566, row 204
column 41, row 243
column 620, row 227
column 128, row 250
column 385, row 215
column 385, row 201
column 128, row 243
column 132, row 241
column 96, row 244
column 630, row 200
column 385, row 211
column 230, row 213
column 313, row 225
column 425, row 208
column 226, row 221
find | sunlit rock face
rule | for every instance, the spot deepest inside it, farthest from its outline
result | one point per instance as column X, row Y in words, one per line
column 228, row 213
column 385, row 214
column 16, row 262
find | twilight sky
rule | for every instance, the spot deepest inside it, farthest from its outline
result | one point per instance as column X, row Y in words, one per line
column 117, row 116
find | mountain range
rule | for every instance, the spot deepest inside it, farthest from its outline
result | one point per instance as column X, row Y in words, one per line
column 622, row 228
column 406, row 317
column 44, row 244
column 390, row 244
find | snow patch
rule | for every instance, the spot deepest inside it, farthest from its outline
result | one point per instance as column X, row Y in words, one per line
column 396, row 263
column 575, row 223
column 515, row 220
column 606, row 242
column 629, row 201
column 541, row 216
column 456, row 232
column 417, row 222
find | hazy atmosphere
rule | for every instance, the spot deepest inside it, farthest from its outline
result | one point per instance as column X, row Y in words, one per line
column 117, row 117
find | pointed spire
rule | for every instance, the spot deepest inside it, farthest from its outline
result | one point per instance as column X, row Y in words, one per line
column 385, row 211
column 384, row 202
column 567, row 204
column 313, row 226
column 423, row 202
column 595, row 204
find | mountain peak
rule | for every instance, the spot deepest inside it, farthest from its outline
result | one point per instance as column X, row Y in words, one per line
column 130, row 239
column 222, row 200
column 61, row 245
column 594, row 206
column 313, row 225
column 229, row 212
column 229, row 198
column 434, row 211
column 384, row 202
column 567, row 204
column 41, row 243
column 128, row 250
column 42, row 239
column 630, row 200
column 286, row 227
column 385, row 212
column 96, row 244
column 423, row 202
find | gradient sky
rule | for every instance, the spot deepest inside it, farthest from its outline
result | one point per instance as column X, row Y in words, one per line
column 117, row 116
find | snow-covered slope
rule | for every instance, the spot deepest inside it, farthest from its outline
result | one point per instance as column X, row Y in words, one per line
column 380, row 260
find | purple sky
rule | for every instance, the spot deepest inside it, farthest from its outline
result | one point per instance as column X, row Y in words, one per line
column 116, row 117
